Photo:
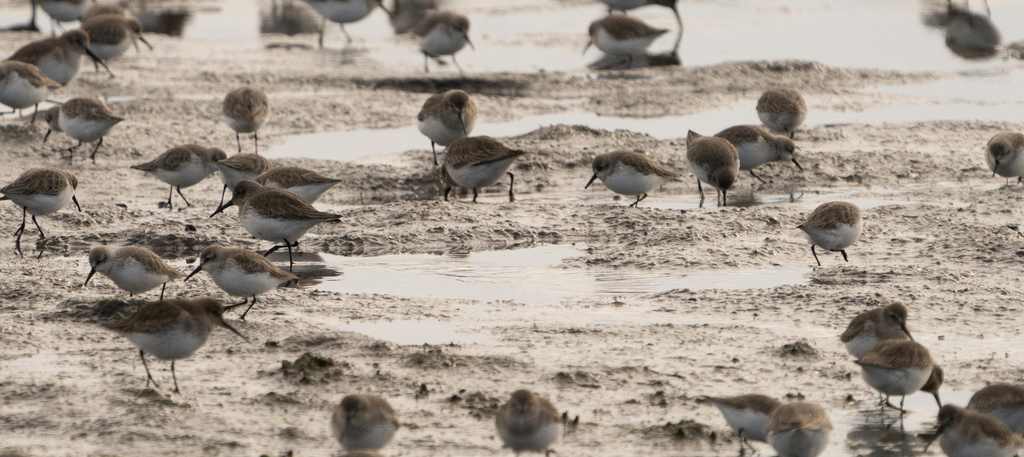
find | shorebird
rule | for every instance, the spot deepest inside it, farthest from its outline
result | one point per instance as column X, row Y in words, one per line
column 968, row 434
column 240, row 167
column 527, row 422
column 343, row 12
column 626, row 5
column 307, row 184
column 22, row 85
column 183, row 166
column 363, row 422
column 1001, row 401
column 757, row 146
column 132, row 268
column 833, row 226
column 171, row 329
column 405, row 14
column 630, row 173
column 274, row 215
column 241, row 272
column 83, row 119
column 747, row 415
column 446, row 118
column 40, row 191
column 477, row 162
column 246, row 109
column 111, row 35
column 714, row 161
column 442, row 33
column 63, row 11
column 58, row 58
column 621, row 35
column 782, row 110
column 798, row 430
column 1004, row 155
column 900, row 367
column 870, row 327
column 100, row 9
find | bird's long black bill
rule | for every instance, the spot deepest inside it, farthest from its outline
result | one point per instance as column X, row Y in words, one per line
column 587, row 46
column 92, row 271
column 938, row 432
column 937, row 399
column 223, row 207
column 229, row 327
column 470, row 43
column 798, row 165
column 386, row 10
column 97, row 59
column 74, row 198
column 45, row 137
column 591, row 181
column 907, row 331
column 193, row 273
column 146, row 42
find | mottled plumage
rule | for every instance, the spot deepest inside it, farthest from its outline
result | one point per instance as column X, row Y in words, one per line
column 621, row 35
column 132, row 268
column 183, row 166
column 477, row 162
column 782, row 110
column 747, row 415
column 307, row 184
column 40, row 191
column 833, row 226
column 241, row 272
column 22, row 85
column 798, row 430
column 629, row 173
column 110, row 35
column 246, row 109
column 968, row 434
column 527, row 422
column 363, row 422
column 57, row 58
column 1001, row 401
column 714, row 161
column 870, row 327
column 446, row 118
column 1004, row 155
column 239, row 167
column 899, row 367
column 757, row 146
column 442, row 33
column 85, row 120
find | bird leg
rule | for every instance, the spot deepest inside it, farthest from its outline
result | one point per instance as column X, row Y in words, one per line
column 701, row 191
column 97, row 148
column 250, row 307
column 842, row 251
column 183, row 197
column 17, row 233
column 512, row 182
column 256, row 141
column 33, row 121
column 323, row 25
column 291, row 263
column 238, row 138
column 149, row 377
column 461, row 73
column 175, row 378
column 474, row 194
column 815, row 255
column 758, row 177
column 170, row 194
column 725, row 198
column 222, row 196
column 426, row 63
column 162, row 288
column 447, row 190
column 434, row 150
column 348, row 38
column 41, row 236
column 639, row 198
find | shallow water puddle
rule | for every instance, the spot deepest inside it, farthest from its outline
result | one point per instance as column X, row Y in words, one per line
column 868, row 431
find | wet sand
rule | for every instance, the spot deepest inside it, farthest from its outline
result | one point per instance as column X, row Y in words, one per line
column 940, row 235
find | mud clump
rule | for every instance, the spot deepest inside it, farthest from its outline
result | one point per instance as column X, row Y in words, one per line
column 579, row 378
column 313, row 369
column 434, row 358
column 798, row 349
column 479, row 404
column 684, row 430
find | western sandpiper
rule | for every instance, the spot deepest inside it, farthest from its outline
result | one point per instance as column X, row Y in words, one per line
column 274, row 215
column 363, row 422
column 40, row 191
column 870, row 327
column 183, row 166
column 746, row 415
column 798, row 430
column 442, row 33
column 714, row 161
column 405, row 14
column 446, row 118
column 241, row 272
column 307, row 184
column 111, row 35
column 171, row 329
column 132, row 268
column 477, row 162
column 630, row 173
column 1005, row 155
column 246, row 109
column 757, row 146
column 63, row 10
column 626, row 5
column 527, row 422
column 968, row 434
column 1001, row 401
column 58, row 58
column 343, row 12
column 239, row 167
column 621, row 35
column 100, row 9
column 898, row 367
column 833, row 226
column 782, row 110
column 22, row 85
column 85, row 120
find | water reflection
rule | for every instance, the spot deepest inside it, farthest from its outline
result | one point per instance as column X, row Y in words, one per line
column 610, row 62
column 969, row 35
column 289, row 17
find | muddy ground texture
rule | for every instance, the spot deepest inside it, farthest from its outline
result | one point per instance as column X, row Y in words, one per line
column 69, row 387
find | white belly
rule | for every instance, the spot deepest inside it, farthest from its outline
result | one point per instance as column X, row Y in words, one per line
column 439, row 133
column 630, row 46
column 840, row 237
column 342, row 11
column 956, row 444
column 132, row 277
column 64, row 11
column 188, row 174
column 782, row 122
column 537, row 441
column 442, row 43
column 624, row 5
column 85, row 130
column 754, row 154
column 60, row 70
column 310, row 192
column 171, row 344
column 477, row 176
column 244, row 126
column 276, row 230
column 895, row 382
column 374, row 437
column 232, row 176
column 750, row 422
column 1012, row 417
column 862, row 344
column 109, row 51
column 627, row 181
column 1011, row 166
column 236, row 281
column 18, row 93
column 41, row 205
column 799, row 443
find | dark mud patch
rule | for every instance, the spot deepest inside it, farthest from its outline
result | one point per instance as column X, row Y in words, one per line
column 310, row 368
column 488, row 86
column 479, row 404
